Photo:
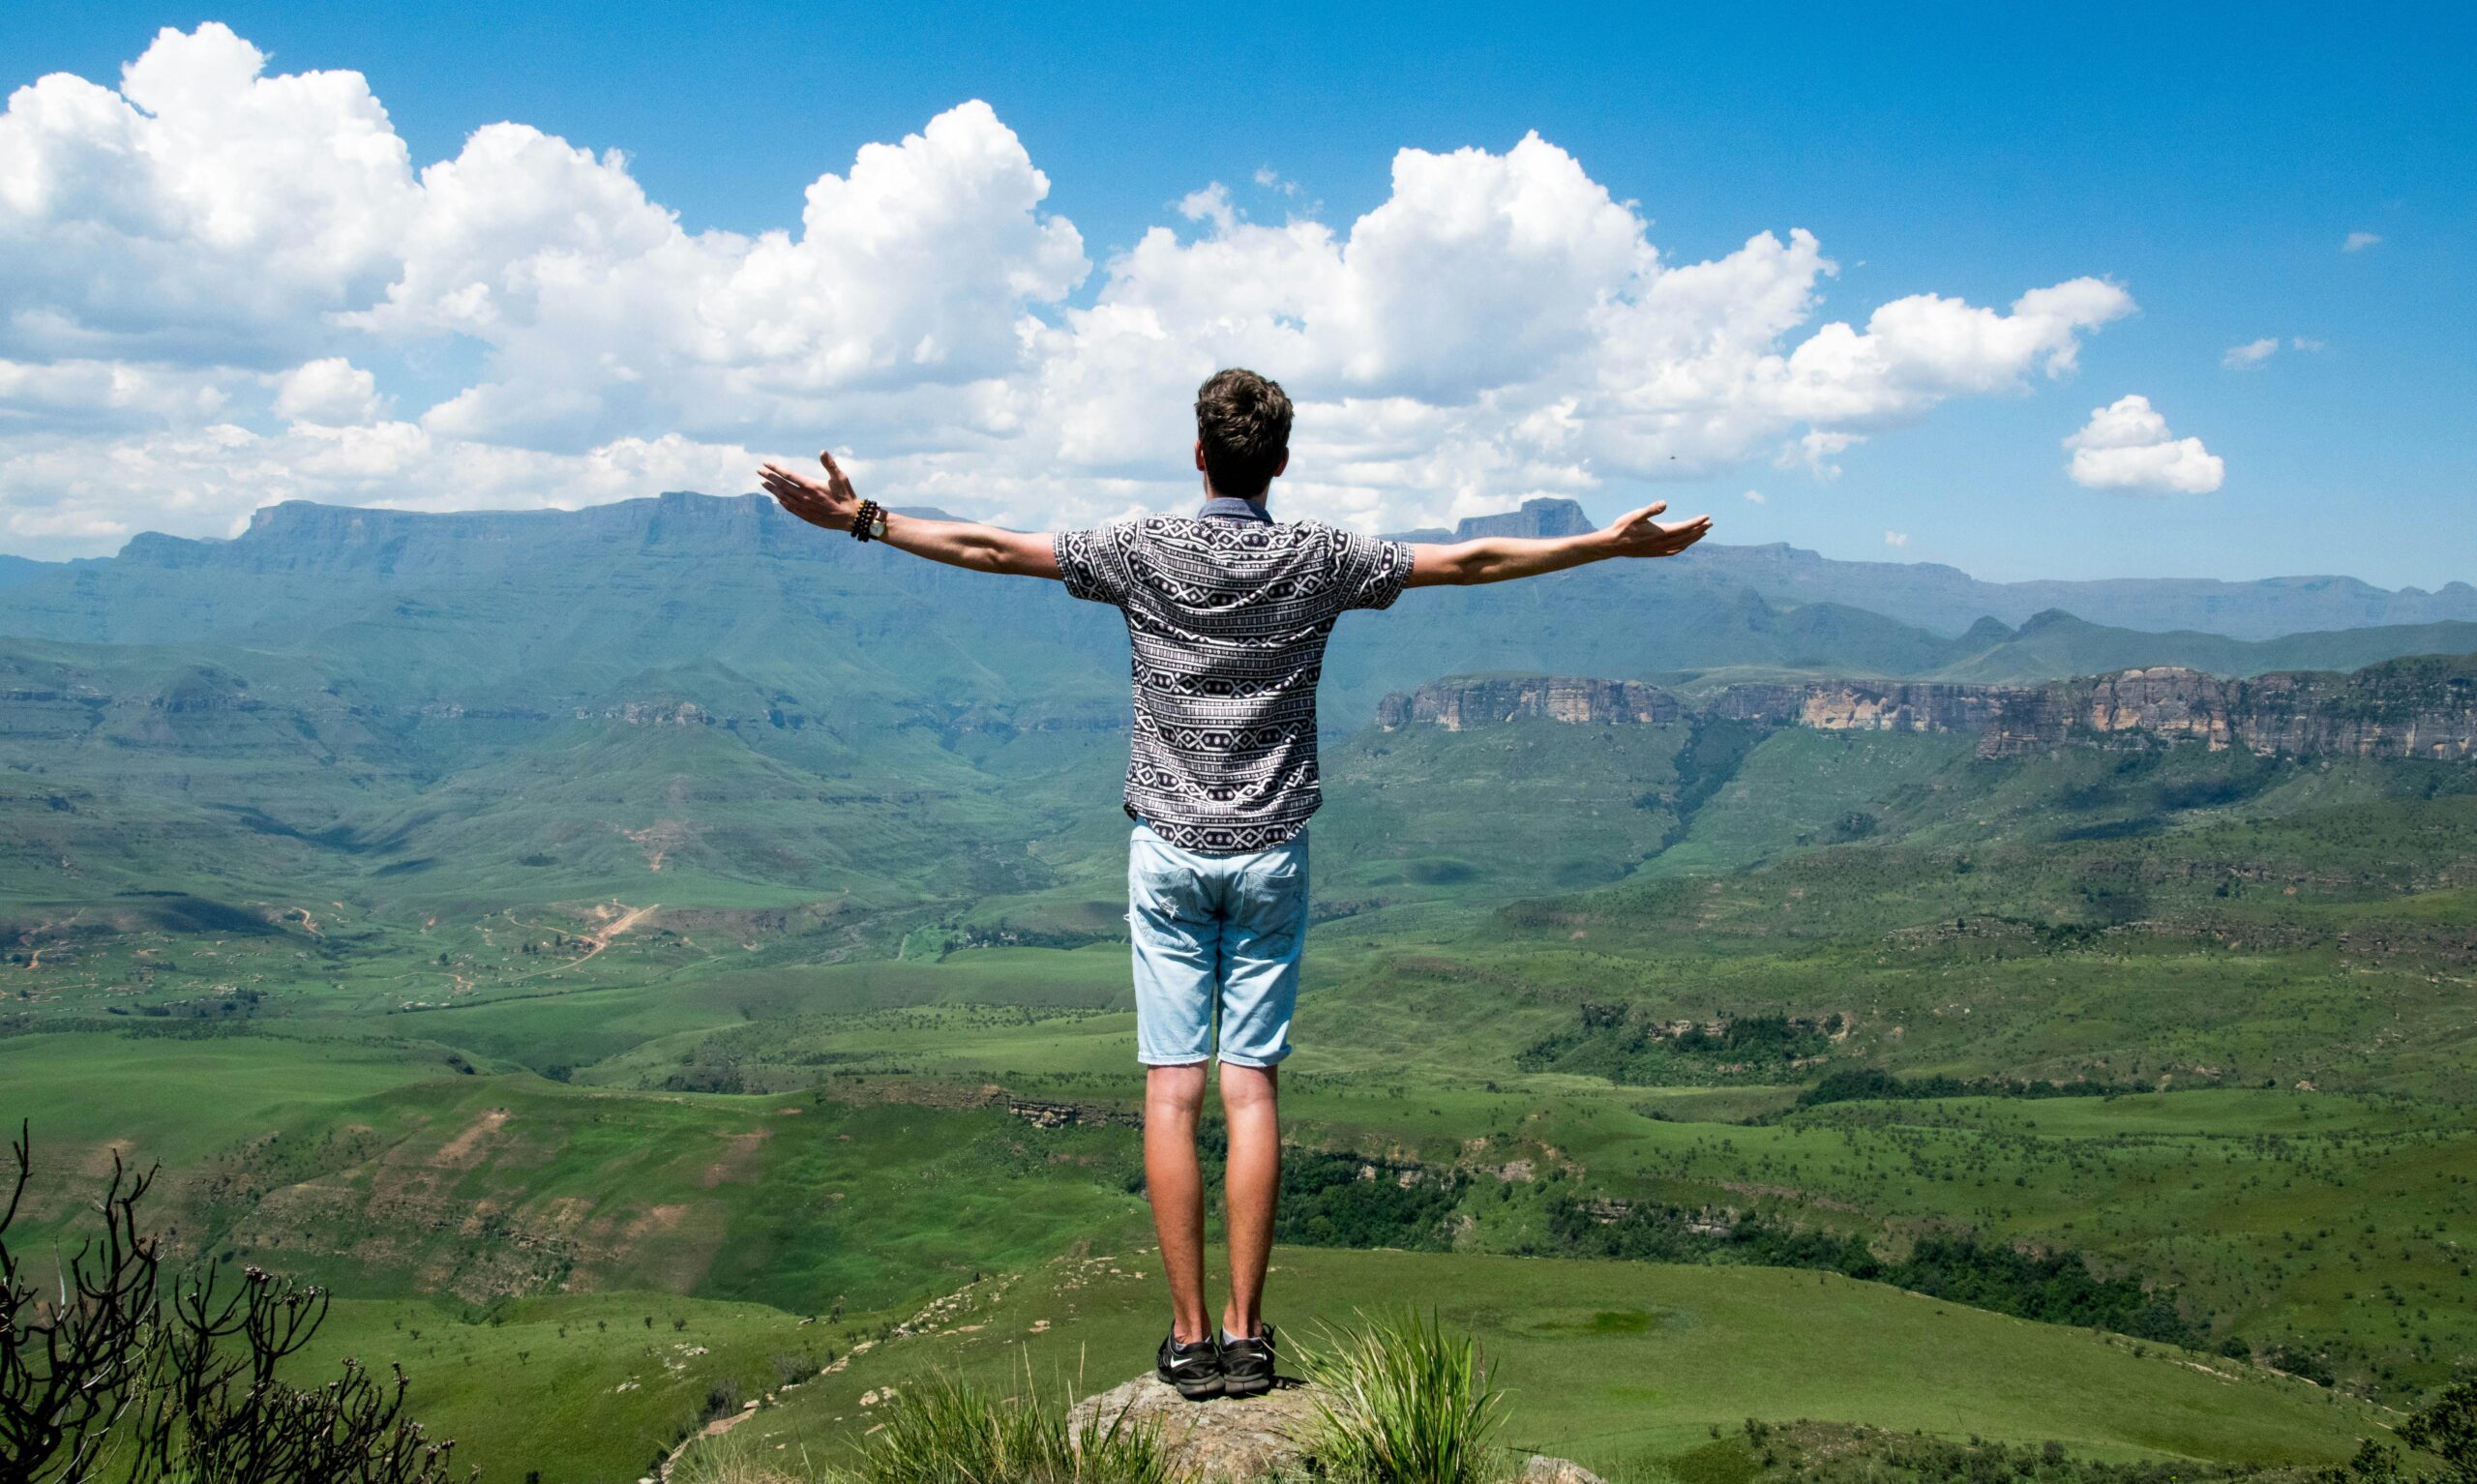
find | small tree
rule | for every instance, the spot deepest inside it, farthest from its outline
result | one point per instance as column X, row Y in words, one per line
column 70, row 1362
column 100, row 1366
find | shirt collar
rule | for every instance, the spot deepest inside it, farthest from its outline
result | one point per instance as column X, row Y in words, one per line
column 1229, row 507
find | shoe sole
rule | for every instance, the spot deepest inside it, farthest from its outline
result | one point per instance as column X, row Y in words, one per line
column 1231, row 1386
column 1197, row 1390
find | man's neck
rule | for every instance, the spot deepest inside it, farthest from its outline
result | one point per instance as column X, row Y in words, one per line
column 1229, row 507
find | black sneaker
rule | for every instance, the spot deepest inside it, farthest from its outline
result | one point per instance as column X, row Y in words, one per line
column 1247, row 1365
column 1194, row 1369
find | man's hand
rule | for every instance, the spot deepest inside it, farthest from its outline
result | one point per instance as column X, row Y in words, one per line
column 832, row 504
column 1639, row 535
column 836, row 506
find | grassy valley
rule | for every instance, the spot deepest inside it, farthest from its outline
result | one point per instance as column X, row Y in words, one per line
column 635, row 1005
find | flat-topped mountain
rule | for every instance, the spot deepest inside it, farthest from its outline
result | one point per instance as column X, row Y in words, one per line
column 2424, row 706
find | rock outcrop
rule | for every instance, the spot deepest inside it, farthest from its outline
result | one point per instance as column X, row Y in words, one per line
column 1459, row 705
column 2423, row 707
column 1855, row 705
column 1235, row 1441
column 1228, row 1441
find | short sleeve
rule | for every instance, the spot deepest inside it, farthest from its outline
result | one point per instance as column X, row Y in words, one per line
column 1094, row 562
column 1370, row 571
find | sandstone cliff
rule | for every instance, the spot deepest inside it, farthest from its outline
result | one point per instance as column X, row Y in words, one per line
column 1481, row 701
column 1849, row 706
column 2425, row 706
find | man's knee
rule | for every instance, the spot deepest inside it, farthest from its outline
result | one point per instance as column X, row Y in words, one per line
column 1246, row 1090
column 1174, row 1092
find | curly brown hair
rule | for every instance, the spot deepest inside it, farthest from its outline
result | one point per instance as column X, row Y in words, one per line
column 1243, row 422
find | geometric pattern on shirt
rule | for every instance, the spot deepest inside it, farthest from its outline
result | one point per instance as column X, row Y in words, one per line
column 1227, row 622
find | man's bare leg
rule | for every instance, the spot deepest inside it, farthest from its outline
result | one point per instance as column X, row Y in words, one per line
column 1172, row 1180
column 1253, row 1180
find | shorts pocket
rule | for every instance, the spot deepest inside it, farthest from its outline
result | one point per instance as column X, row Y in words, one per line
column 1271, row 900
column 1161, row 888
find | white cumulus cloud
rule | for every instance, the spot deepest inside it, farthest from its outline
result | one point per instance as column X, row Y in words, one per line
column 331, row 391
column 2251, row 354
column 2126, row 445
column 213, row 280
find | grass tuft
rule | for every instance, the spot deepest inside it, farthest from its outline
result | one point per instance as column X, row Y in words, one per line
column 946, row 1432
column 1404, row 1404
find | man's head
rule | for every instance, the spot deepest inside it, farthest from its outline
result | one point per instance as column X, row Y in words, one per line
column 1242, row 432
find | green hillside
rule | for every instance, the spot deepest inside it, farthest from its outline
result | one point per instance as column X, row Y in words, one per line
column 1618, row 1364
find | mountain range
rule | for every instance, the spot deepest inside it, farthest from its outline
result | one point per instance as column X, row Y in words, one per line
column 550, row 706
column 732, row 605
column 1947, row 599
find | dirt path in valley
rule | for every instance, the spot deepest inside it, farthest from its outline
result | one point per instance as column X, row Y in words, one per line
column 600, row 937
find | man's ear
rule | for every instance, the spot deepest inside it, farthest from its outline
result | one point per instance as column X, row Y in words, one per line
column 1284, row 464
column 1199, row 453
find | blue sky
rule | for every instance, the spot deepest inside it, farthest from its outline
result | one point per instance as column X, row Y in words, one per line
column 2209, row 166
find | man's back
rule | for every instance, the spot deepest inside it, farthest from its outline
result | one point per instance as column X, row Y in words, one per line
column 1227, row 615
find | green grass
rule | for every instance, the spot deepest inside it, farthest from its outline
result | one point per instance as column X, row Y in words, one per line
column 349, row 972
column 1602, row 1361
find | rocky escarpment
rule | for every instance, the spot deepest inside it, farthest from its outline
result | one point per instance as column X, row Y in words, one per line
column 2425, row 706
column 1845, row 705
column 1457, row 704
column 1832, row 705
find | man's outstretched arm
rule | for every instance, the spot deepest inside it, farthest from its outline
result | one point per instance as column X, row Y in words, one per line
column 833, row 504
column 1502, row 558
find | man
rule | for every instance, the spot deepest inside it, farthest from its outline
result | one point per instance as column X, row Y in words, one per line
column 1228, row 611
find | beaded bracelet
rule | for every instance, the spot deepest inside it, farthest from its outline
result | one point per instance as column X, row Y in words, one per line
column 869, row 514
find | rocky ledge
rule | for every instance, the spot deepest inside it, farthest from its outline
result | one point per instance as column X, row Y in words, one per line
column 2420, row 706
column 1234, row 1440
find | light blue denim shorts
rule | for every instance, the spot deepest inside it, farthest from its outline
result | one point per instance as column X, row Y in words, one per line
column 1217, row 943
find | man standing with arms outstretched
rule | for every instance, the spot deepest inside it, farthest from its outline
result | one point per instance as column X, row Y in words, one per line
column 1228, row 611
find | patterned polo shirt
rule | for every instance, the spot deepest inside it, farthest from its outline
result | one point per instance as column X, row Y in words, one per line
column 1227, row 613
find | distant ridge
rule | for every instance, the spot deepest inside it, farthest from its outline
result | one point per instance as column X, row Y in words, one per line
column 1947, row 599
column 1939, row 599
column 1543, row 516
column 742, row 610
column 14, row 570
